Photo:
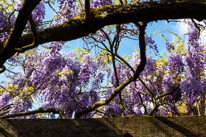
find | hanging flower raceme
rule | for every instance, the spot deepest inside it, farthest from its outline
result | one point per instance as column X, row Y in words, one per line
column 38, row 13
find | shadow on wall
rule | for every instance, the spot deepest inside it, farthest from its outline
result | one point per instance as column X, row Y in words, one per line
column 200, row 107
column 58, row 128
column 105, row 127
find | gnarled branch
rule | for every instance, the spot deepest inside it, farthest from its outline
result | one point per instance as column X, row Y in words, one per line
column 35, row 42
column 100, row 17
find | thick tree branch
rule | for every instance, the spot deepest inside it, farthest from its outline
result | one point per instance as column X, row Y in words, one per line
column 154, row 109
column 35, row 37
column 107, row 15
column 142, row 64
column 87, row 9
column 40, row 110
column 5, row 108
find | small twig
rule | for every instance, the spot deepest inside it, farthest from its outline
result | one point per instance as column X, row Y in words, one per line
column 3, row 87
column 5, row 107
column 48, row 2
column 111, row 44
column 145, row 108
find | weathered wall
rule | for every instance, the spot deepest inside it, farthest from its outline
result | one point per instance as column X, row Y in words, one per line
column 106, row 127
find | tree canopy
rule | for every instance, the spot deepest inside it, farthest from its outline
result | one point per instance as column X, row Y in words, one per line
column 97, row 80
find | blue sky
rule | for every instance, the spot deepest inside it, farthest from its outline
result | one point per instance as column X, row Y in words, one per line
column 127, row 46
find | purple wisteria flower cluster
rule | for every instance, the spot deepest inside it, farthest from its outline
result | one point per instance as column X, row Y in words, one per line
column 78, row 79
column 8, row 17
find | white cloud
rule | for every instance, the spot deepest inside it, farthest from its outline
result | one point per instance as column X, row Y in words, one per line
column 202, row 34
column 181, row 27
column 203, row 37
column 182, row 30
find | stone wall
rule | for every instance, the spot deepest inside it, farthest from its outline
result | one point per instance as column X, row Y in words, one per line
column 106, row 127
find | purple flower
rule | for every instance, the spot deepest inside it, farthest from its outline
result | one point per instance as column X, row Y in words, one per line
column 170, row 47
column 37, row 14
column 175, row 62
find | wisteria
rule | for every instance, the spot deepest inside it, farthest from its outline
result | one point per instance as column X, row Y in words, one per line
column 9, row 13
column 6, row 22
column 37, row 14
column 76, row 80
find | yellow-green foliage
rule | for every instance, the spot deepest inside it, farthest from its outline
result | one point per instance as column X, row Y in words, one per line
column 27, row 91
column 204, row 48
column 95, row 12
column 126, row 57
column 6, row 5
column 79, row 52
column 103, row 55
column 61, row 73
column 161, row 62
column 11, row 88
column 179, row 44
column 182, row 108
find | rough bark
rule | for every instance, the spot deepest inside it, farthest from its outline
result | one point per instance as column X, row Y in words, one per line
column 77, row 27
